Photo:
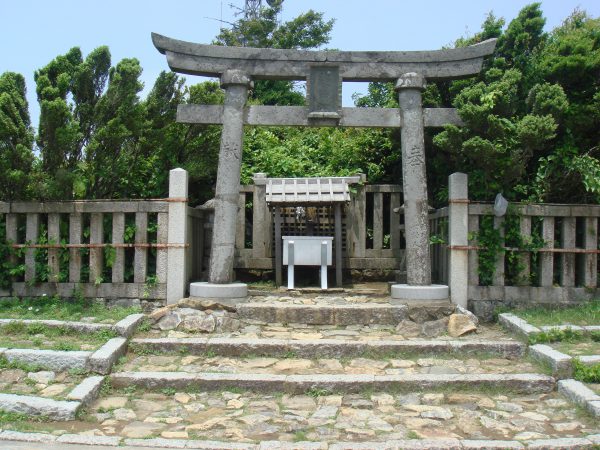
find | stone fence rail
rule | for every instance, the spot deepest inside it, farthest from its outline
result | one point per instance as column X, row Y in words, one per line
column 550, row 254
column 96, row 248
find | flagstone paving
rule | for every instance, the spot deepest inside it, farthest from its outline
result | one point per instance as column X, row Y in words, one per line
column 376, row 416
column 298, row 331
column 301, row 366
column 43, row 383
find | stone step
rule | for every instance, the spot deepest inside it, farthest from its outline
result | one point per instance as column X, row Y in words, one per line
column 327, row 348
column 345, row 313
column 15, row 440
column 298, row 384
column 294, row 365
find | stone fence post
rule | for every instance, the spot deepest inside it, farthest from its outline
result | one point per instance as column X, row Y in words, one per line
column 177, row 236
column 458, row 236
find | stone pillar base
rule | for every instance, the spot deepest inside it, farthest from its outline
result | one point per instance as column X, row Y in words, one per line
column 402, row 293
column 230, row 293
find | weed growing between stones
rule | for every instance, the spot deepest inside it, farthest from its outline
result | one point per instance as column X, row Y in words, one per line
column 585, row 373
column 412, row 434
column 318, row 392
column 169, row 391
column 300, row 435
column 556, row 335
column 23, row 422
column 6, row 364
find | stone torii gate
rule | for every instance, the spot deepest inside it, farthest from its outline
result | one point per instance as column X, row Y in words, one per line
column 324, row 72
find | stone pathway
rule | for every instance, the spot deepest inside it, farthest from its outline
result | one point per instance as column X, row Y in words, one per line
column 255, row 329
column 376, row 416
column 302, row 366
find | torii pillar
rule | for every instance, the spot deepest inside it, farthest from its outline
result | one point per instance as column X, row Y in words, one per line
column 416, row 205
column 220, row 283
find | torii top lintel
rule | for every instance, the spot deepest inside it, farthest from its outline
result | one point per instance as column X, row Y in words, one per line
column 284, row 64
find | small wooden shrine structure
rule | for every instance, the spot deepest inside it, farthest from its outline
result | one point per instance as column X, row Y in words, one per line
column 304, row 197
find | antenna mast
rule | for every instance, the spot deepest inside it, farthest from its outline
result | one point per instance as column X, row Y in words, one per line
column 252, row 9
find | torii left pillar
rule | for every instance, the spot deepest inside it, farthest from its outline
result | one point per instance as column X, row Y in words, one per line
column 220, row 283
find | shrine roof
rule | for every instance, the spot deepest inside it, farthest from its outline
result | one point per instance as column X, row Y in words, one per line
column 306, row 191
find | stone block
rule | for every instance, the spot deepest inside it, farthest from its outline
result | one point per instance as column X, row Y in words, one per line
column 157, row 443
column 103, row 359
column 594, row 407
column 560, row 363
column 49, row 359
column 39, row 406
column 86, row 391
column 128, row 325
column 107, row 441
column 9, row 435
column 517, row 325
column 577, row 392
column 590, row 360
column 471, row 444
column 279, row 445
column 560, row 444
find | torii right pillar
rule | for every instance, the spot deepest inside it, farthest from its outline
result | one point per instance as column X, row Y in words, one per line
column 416, row 206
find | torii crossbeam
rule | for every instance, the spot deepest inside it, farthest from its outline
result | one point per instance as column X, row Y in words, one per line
column 324, row 72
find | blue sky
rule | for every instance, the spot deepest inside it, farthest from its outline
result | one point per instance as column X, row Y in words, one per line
column 33, row 32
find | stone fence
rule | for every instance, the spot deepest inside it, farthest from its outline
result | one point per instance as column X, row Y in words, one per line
column 101, row 248
column 536, row 253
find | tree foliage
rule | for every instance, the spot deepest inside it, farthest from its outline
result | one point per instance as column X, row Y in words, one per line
column 16, row 138
column 531, row 120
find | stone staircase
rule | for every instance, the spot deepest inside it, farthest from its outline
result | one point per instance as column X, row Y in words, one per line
column 331, row 370
column 313, row 371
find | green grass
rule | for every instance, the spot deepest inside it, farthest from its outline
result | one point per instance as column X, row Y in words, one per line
column 587, row 313
column 585, row 373
column 20, row 335
column 24, row 422
column 578, row 348
column 61, row 309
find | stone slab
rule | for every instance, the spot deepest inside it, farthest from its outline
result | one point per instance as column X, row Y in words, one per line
column 237, row 291
column 49, row 359
column 561, row 328
column 128, row 325
column 102, row 360
column 39, row 406
column 560, row 363
column 86, row 391
column 560, row 444
column 472, row 444
column 331, row 348
column 108, row 441
column 578, row 393
column 517, row 325
column 363, row 314
column 525, row 383
column 590, row 359
column 405, row 292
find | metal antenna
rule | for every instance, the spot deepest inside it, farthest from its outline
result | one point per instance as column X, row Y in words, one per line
column 252, row 9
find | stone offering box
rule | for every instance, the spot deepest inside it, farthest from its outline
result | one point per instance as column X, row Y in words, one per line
column 307, row 251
